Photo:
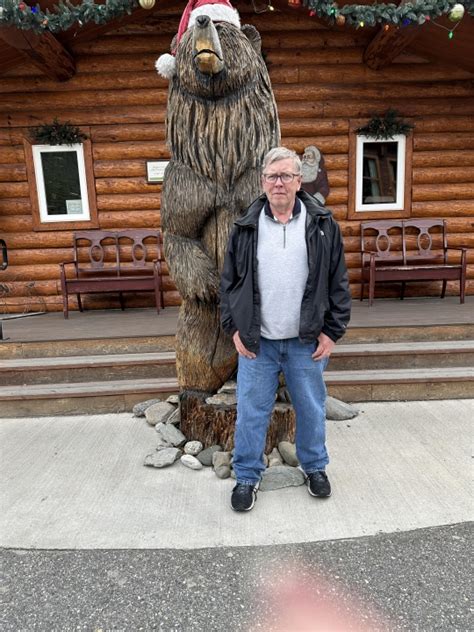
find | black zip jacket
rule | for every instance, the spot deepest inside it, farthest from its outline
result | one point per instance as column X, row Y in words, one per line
column 326, row 302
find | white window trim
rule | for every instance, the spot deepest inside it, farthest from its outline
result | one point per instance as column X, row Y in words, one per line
column 398, row 205
column 43, row 210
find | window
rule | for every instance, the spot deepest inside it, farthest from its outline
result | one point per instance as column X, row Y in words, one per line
column 61, row 186
column 379, row 176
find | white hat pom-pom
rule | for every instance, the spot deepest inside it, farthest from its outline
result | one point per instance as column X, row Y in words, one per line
column 166, row 65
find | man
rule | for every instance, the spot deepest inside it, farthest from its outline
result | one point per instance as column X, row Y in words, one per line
column 285, row 300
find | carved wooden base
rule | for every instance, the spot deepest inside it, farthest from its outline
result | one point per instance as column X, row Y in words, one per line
column 214, row 425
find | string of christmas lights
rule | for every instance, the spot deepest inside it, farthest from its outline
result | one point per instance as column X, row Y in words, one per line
column 23, row 16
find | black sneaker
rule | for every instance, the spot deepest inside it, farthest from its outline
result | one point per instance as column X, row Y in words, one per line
column 243, row 497
column 318, row 484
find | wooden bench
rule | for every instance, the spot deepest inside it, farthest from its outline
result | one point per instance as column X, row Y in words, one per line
column 113, row 261
column 408, row 250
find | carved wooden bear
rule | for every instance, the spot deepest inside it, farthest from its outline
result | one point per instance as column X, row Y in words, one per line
column 221, row 120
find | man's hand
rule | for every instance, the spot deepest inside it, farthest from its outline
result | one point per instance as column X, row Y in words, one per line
column 241, row 350
column 325, row 347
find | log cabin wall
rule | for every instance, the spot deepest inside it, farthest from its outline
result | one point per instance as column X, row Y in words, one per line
column 320, row 84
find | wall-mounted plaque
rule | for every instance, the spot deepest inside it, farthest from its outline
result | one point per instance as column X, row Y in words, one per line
column 155, row 170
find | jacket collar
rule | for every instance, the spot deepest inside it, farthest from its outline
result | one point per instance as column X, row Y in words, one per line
column 313, row 208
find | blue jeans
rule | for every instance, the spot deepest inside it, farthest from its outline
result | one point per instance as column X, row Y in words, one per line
column 257, row 383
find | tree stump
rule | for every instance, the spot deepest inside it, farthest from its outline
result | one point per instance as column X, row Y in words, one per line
column 215, row 424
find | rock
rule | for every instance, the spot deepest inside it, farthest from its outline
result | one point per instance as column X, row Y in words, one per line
column 288, row 453
column 159, row 413
column 222, row 471
column 161, row 443
column 140, row 408
column 265, row 460
column 173, row 399
column 281, row 476
column 206, row 455
column 162, row 458
column 175, row 417
column 229, row 387
column 338, row 411
column 171, row 434
column 190, row 461
column 222, row 399
column 274, row 458
column 193, row 447
column 221, row 458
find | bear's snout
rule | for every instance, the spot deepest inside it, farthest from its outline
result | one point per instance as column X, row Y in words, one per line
column 203, row 20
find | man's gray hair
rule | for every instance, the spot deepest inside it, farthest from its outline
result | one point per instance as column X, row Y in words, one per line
column 282, row 153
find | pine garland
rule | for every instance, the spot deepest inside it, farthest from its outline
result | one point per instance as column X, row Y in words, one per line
column 386, row 126
column 18, row 13
column 57, row 133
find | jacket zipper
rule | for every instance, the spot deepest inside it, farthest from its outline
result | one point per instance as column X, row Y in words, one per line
column 284, row 235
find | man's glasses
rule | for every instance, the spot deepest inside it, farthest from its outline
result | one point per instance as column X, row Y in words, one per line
column 286, row 178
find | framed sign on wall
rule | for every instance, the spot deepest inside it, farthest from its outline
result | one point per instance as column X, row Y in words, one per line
column 155, row 171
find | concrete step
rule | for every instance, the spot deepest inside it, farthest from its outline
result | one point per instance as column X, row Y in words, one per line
column 401, row 384
column 398, row 355
column 85, row 346
column 87, row 368
column 82, row 397
column 121, row 395
column 151, row 344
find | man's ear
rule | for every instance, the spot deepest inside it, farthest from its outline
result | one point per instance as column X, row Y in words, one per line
column 253, row 36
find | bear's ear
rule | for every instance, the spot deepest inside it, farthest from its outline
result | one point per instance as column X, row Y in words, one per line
column 253, row 36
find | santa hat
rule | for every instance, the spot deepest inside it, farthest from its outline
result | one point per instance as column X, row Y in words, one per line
column 217, row 10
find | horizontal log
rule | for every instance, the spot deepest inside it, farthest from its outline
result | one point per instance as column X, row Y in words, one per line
column 125, row 185
column 435, row 192
column 11, row 155
column 445, row 140
column 126, row 203
column 151, row 150
column 15, row 223
column 15, row 189
column 86, row 81
column 112, row 45
column 360, row 109
column 117, row 168
column 21, row 102
column 360, row 74
column 19, row 304
column 303, row 127
column 286, row 82
column 336, row 161
column 454, row 124
column 14, row 206
column 443, row 209
column 121, row 133
column 12, row 173
column 440, row 175
column 337, row 195
column 88, row 116
column 327, row 144
column 314, row 56
column 464, row 158
column 28, row 288
column 40, row 240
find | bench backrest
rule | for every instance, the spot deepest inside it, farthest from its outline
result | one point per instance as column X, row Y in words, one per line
column 96, row 250
column 412, row 241
column 142, row 245
column 116, row 252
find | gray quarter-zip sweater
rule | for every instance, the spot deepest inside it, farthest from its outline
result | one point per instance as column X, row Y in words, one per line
column 282, row 272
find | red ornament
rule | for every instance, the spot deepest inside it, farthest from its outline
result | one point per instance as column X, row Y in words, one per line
column 340, row 20
column 294, row 3
column 427, row 18
column 312, row 14
column 22, row 6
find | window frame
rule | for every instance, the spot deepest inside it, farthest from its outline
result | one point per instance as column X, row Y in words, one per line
column 402, row 207
column 37, row 188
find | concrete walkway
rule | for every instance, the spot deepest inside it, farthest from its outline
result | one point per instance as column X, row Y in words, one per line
column 79, row 483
